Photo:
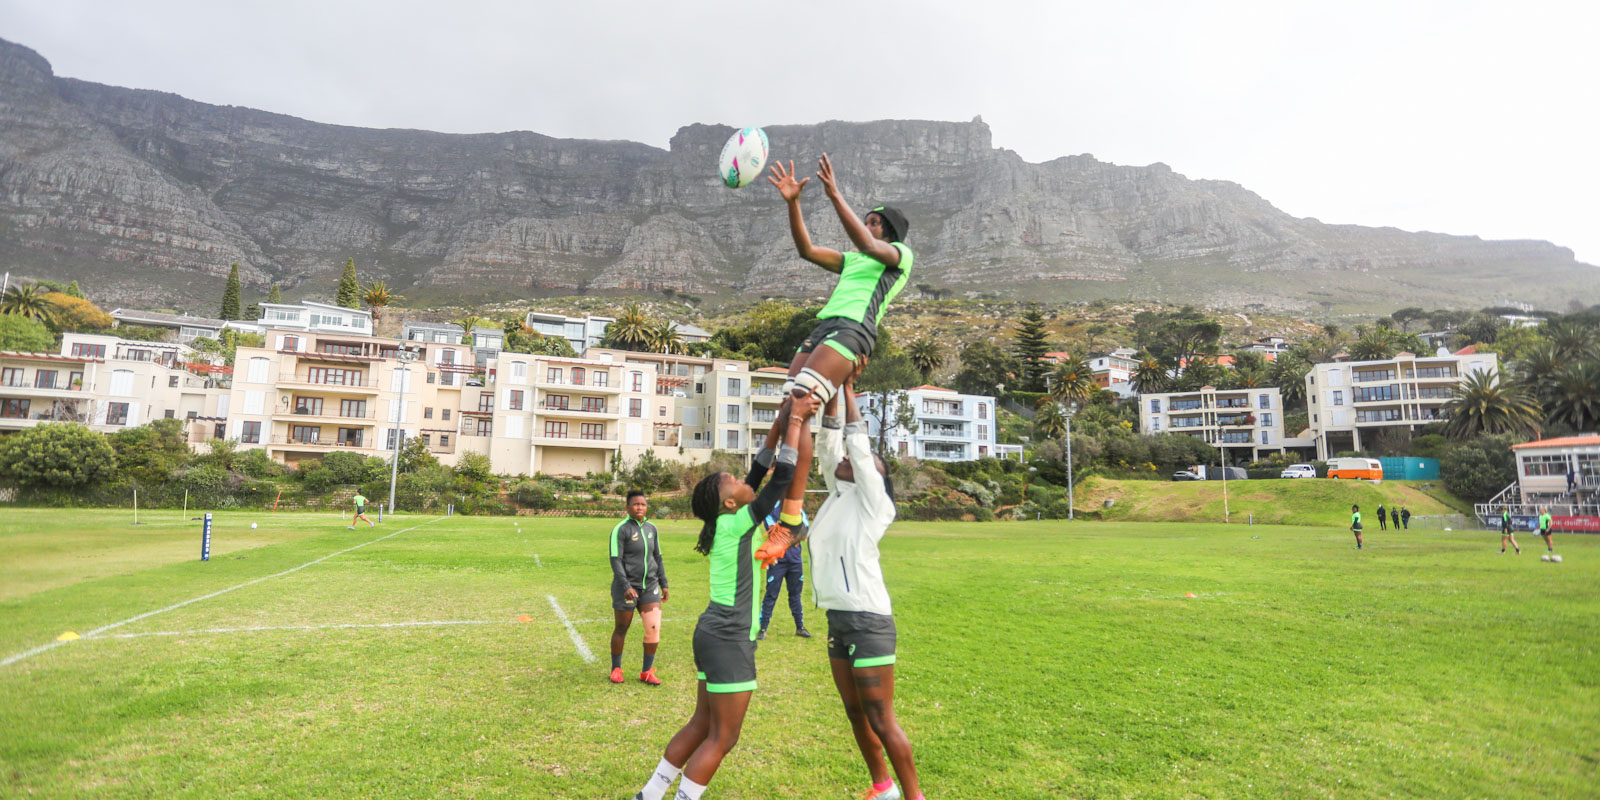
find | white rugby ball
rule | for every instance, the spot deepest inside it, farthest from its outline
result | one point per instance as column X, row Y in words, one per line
column 252, row 526
column 743, row 157
column 1556, row 559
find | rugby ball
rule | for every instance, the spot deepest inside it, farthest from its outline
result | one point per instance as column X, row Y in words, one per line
column 1556, row 559
column 1545, row 557
column 743, row 157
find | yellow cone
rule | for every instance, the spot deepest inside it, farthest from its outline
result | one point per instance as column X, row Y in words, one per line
column 67, row 637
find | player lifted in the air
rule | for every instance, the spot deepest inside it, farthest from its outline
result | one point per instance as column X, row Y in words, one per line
column 847, row 327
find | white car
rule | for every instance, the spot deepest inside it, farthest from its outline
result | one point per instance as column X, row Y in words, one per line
column 1299, row 471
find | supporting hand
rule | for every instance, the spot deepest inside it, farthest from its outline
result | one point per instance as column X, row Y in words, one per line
column 784, row 180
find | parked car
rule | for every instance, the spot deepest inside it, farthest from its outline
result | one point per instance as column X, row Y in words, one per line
column 1361, row 469
column 1227, row 474
column 1299, row 471
column 1187, row 475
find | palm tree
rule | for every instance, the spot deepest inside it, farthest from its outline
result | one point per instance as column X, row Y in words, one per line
column 1073, row 381
column 631, row 330
column 1571, row 339
column 469, row 323
column 29, row 302
column 1375, row 345
column 1051, row 421
column 925, row 354
column 1151, row 375
column 1483, row 405
column 1289, row 375
column 377, row 297
column 1574, row 395
column 664, row 338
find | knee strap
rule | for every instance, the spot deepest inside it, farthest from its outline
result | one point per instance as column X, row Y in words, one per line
column 810, row 381
column 788, row 386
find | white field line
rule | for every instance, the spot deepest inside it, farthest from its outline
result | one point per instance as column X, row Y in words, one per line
column 9, row 660
column 536, row 561
column 329, row 626
column 577, row 641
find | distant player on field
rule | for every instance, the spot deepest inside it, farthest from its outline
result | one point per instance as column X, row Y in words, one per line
column 1355, row 524
column 847, row 326
column 361, row 511
column 1544, row 530
column 1506, row 533
column 637, row 581
column 848, row 583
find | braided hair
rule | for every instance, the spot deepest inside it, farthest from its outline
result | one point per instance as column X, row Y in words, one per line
column 707, row 505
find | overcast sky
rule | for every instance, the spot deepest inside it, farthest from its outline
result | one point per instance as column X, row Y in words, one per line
column 1462, row 117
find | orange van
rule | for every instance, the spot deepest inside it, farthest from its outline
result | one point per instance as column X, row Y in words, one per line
column 1357, row 469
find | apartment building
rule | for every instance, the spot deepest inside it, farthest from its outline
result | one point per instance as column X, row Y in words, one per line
column 109, row 383
column 185, row 329
column 311, row 316
column 580, row 332
column 1244, row 424
column 949, row 425
column 1349, row 400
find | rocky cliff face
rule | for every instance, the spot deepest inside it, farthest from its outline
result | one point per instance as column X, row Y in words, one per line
column 150, row 197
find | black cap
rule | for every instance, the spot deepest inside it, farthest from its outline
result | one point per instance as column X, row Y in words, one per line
column 897, row 222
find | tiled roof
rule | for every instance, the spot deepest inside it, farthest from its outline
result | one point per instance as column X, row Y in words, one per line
column 930, row 388
column 1561, row 441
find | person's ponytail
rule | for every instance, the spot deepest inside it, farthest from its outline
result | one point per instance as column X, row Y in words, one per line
column 707, row 505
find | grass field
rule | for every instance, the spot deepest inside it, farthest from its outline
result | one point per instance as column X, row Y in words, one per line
column 1278, row 502
column 1037, row 660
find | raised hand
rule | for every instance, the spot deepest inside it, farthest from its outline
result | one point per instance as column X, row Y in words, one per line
column 825, row 173
column 784, row 180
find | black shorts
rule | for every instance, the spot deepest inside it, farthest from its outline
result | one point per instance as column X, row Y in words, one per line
column 620, row 603
column 852, row 339
column 865, row 638
column 726, row 665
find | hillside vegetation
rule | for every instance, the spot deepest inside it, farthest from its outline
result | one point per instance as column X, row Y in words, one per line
column 1276, row 502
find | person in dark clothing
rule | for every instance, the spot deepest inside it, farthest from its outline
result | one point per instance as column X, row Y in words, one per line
column 1394, row 516
column 1382, row 524
column 1405, row 518
column 1572, row 481
column 637, row 581
column 790, row 570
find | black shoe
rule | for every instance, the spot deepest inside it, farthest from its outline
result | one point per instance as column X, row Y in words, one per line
column 802, row 632
column 762, row 634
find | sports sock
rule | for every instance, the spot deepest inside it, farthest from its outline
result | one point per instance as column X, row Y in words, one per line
column 649, row 661
column 616, row 661
column 656, row 788
column 688, row 790
column 880, row 788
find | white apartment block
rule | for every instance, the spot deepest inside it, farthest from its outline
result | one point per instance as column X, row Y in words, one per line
column 1243, row 423
column 185, row 329
column 108, row 384
column 314, row 317
column 580, row 332
column 949, row 426
column 1351, row 399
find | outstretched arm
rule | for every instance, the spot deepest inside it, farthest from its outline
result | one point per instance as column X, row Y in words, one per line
column 886, row 254
column 830, row 260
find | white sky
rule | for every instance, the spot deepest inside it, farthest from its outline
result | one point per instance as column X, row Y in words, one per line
column 1462, row 117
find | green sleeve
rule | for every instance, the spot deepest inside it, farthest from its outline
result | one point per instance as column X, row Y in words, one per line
column 616, row 551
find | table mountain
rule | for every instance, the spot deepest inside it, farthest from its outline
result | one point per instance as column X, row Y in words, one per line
column 149, row 197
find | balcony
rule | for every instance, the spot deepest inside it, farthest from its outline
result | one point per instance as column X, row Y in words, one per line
column 58, row 385
column 353, row 384
column 955, row 411
column 577, row 411
column 1233, row 402
column 330, row 413
column 772, row 394
column 317, row 443
column 608, row 441
column 586, row 385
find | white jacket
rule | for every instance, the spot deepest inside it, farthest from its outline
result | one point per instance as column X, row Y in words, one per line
column 845, row 575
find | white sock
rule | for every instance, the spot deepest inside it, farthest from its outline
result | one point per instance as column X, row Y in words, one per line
column 689, row 790
column 660, row 782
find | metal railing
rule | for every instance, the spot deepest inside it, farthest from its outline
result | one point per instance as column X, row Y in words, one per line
column 60, row 386
column 335, row 413
column 357, row 381
column 358, row 441
column 579, row 409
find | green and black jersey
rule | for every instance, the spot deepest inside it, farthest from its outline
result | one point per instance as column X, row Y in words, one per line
column 734, row 612
column 866, row 286
column 636, row 555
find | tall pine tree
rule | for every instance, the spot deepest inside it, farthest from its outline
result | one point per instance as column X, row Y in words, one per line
column 73, row 290
column 349, row 287
column 274, row 296
column 1030, row 348
column 230, row 295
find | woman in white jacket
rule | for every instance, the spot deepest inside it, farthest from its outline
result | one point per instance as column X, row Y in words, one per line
column 848, row 583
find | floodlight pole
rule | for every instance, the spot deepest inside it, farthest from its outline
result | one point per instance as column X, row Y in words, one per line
column 405, row 356
column 1072, row 408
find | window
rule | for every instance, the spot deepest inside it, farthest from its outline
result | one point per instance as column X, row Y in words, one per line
column 427, row 439
column 514, row 400
column 1155, row 405
column 191, row 415
column 1361, row 394
column 14, row 408
column 444, row 414
column 592, row 430
column 1266, row 437
column 734, row 385
column 427, row 412
column 308, row 405
column 555, row 430
column 1338, row 397
column 13, row 377
column 1544, row 465
column 983, row 451
column 1436, row 372
column 74, row 380
column 46, row 379
column 636, row 407
column 116, row 413
column 172, row 381
column 250, row 433
column 554, row 375
column 601, row 378
column 1266, row 420
column 389, row 437
column 306, row 434
column 636, row 381
column 983, row 431
column 1264, row 401
column 557, row 401
column 1155, row 423
column 291, row 343
column 731, row 413
column 663, row 412
column 352, row 408
column 219, row 430
column 444, row 440
column 983, row 411
column 1379, row 415
column 432, row 377
column 1371, row 375
column 486, row 403
column 661, row 434
column 733, row 440
column 594, row 404
column 335, row 376
column 577, row 376
column 485, row 426
column 519, row 371
column 89, row 351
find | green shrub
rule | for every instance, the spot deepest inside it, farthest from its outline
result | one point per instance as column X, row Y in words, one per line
column 256, row 463
column 529, row 494
column 62, row 455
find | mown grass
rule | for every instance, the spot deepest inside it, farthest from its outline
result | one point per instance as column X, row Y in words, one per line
column 1037, row 660
column 1312, row 502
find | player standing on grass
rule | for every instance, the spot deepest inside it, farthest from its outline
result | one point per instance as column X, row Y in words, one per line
column 1355, row 524
column 847, row 326
column 637, row 581
column 1544, row 530
column 361, row 511
column 731, row 514
column 1506, row 532
column 848, row 583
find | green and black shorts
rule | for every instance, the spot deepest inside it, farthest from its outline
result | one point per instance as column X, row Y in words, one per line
column 726, row 665
column 866, row 639
column 852, row 339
